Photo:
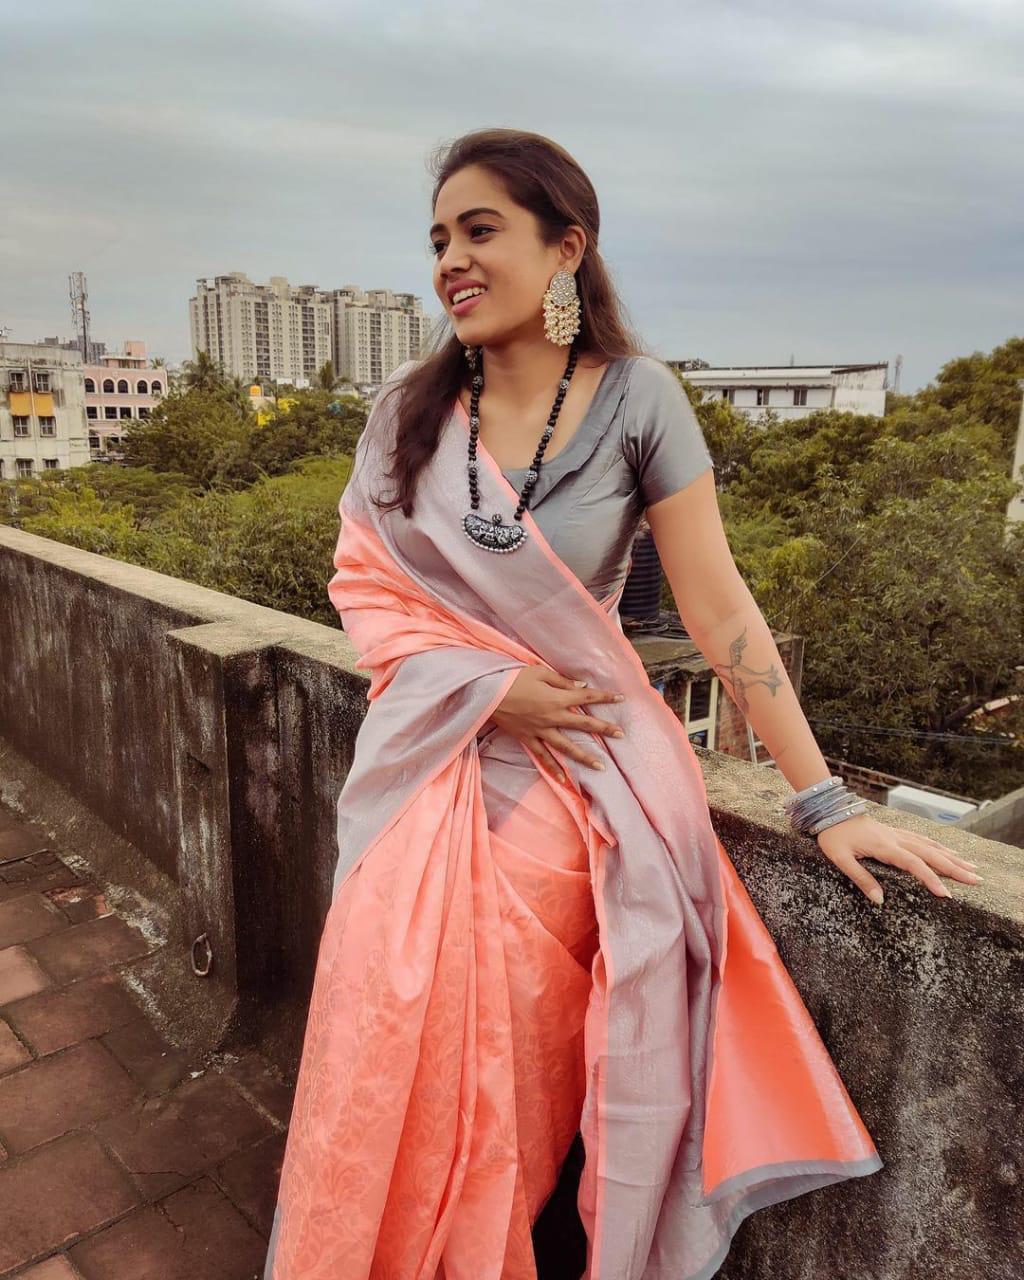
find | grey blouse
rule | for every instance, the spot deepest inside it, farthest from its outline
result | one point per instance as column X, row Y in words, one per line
column 638, row 442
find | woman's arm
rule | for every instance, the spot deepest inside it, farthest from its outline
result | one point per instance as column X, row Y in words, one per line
column 725, row 623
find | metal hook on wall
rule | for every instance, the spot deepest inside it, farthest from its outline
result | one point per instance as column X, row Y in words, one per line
column 202, row 972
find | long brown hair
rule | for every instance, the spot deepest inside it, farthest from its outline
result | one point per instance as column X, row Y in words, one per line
column 541, row 176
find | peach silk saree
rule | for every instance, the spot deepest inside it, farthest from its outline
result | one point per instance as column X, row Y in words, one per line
column 508, row 959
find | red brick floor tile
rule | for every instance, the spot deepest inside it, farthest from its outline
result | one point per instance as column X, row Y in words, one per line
column 37, row 880
column 166, row 1141
column 55, row 1268
column 31, row 865
column 82, row 901
column 156, row 1064
column 22, row 839
column 63, row 1091
column 12, row 1052
column 63, row 1016
column 19, row 975
column 52, row 1195
column 30, row 916
column 251, row 1179
column 84, row 949
column 252, row 1073
column 194, row 1234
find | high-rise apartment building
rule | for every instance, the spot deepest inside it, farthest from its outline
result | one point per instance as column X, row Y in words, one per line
column 268, row 331
column 42, row 413
column 375, row 331
column 282, row 332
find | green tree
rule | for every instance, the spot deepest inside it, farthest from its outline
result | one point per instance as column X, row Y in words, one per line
column 198, row 434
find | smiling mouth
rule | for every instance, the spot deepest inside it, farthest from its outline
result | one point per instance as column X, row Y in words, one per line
column 459, row 308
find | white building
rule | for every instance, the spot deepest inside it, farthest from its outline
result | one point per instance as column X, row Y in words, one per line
column 375, row 331
column 269, row 331
column 791, row 391
column 277, row 332
column 42, row 409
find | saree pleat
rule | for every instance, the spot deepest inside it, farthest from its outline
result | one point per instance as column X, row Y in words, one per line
column 508, row 959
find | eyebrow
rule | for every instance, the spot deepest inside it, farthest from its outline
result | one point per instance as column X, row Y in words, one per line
column 439, row 226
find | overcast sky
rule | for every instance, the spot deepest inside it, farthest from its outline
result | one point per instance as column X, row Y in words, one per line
column 833, row 180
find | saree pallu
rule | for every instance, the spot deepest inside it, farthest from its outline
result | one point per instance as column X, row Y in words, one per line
column 508, row 959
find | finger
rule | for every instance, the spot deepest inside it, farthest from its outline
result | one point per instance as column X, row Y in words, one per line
column 941, row 848
column 545, row 759
column 583, row 693
column 943, row 861
column 593, row 725
column 569, row 748
column 556, row 679
column 861, row 877
column 906, row 858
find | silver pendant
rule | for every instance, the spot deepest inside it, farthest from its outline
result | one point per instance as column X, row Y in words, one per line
column 493, row 534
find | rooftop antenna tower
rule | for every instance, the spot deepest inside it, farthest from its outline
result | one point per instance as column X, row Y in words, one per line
column 896, row 374
column 79, row 296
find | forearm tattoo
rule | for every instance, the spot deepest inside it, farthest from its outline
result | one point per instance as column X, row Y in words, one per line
column 736, row 673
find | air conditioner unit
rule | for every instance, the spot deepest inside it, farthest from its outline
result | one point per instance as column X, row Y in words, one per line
column 927, row 804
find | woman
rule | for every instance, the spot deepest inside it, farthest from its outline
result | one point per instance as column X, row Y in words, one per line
column 535, row 933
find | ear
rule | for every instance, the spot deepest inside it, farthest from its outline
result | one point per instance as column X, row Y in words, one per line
column 572, row 248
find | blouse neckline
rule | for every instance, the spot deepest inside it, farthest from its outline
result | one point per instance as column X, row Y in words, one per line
column 584, row 439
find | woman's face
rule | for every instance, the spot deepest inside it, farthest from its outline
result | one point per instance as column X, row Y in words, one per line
column 497, row 247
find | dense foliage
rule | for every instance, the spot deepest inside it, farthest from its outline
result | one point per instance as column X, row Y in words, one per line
column 882, row 541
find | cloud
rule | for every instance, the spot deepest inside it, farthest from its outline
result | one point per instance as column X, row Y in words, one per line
column 811, row 177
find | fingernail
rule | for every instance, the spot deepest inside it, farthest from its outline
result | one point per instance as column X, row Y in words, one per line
column 978, row 879
column 560, row 777
column 618, row 698
column 618, row 734
column 580, row 684
column 876, row 895
column 597, row 764
column 970, row 863
column 945, row 892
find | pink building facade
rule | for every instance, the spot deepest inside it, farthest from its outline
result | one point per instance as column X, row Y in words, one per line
column 124, row 387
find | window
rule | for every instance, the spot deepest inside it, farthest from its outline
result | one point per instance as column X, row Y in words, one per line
column 122, row 386
column 17, row 380
column 142, row 387
column 762, row 395
column 799, row 395
column 94, row 442
column 156, row 388
column 109, row 411
column 108, row 385
column 143, row 411
column 47, row 426
column 24, row 466
column 90, row 386
column 729, row 393
column 92, row 412
column 700, row 717
column 41, row 381
column 20, row 425
column 50, row 464
column 126, row 411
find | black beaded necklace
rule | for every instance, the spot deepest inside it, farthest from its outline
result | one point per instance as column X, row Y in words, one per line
column 494, row 534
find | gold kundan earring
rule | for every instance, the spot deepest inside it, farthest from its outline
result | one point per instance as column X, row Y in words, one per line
column 561, row 309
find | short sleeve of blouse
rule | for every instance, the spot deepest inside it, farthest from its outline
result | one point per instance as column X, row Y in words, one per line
column 662, row 438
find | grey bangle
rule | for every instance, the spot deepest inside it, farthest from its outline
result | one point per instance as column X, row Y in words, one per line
column 822, row 805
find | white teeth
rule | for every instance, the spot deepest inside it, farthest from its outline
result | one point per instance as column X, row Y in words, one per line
column 465, row 293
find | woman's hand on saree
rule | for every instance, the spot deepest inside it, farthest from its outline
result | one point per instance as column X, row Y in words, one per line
column 538, row 706
column 846, row 842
